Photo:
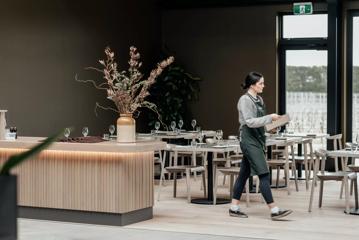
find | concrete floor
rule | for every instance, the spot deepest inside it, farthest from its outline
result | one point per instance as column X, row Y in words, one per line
column 47, row 230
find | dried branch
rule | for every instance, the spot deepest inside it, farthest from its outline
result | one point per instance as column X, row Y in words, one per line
column 91, row 81
column 103, row 108
column 127, row 89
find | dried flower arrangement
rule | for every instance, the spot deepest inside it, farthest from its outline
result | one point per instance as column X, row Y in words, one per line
column 127, row 89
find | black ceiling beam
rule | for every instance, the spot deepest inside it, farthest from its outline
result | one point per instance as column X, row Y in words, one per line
column 174, row 4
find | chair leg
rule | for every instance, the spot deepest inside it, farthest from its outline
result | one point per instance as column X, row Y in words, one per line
column 286, row 171
column 224, row 180
column 170, row 158
column 306, row 170
column 161, row 179
column 188, row 183
column 346, row 192
column 351, row 187
column 295, row 176
column 321, row 193
column 182, row 163
column 174, row 184
column 311, row 195
column 204, row 184
column 231, row 182
column 277, row 180
column 257, row 184
column 215, row 180
column 194, row 163
column 247, row 193
column 341, row 190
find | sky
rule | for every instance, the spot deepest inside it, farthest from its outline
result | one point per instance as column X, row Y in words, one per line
column 313, row 26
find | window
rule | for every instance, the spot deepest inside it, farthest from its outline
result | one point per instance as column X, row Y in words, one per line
column 305, row 26
column 353, row 77
column 306, row 90
column 303, row 71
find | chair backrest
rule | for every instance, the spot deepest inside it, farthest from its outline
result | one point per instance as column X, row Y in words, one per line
column 337, row 145
column 308, row 148
column 288, row 144
column 320, row 160
column 337, row 141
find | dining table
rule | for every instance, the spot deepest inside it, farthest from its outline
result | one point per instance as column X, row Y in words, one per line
column 209, row 149
column 300, row 146
column 222, row 147
column 344, row 154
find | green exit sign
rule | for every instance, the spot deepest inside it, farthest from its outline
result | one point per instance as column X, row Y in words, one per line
column 302, row 8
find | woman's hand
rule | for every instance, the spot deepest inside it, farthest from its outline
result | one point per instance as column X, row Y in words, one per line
column 275, row 116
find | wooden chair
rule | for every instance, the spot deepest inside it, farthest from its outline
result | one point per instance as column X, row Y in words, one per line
column 285, row 163
column 232, row 172
column 307, row 159
column 322, row 175
column 337, row 145
column 175, row 170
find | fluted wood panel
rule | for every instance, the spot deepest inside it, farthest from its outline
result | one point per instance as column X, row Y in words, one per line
column 87, row 181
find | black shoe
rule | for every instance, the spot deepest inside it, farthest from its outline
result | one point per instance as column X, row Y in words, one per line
column 281, row 213
column 237, row 214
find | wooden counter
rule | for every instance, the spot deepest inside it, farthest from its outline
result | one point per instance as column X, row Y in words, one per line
column 102, row 183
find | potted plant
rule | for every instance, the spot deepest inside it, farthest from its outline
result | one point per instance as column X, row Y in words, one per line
column 172, row 93
column 8, row 189
column 127, row 89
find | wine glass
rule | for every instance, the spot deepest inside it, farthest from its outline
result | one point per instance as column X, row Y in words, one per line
column 173, row 125
column 157, row 126
column 356, row 141
column 219, row 134
column 85, row 131
column 180, row 124
column 67, row 133
column 200, row 136
column 193, row 123
column 112, row 129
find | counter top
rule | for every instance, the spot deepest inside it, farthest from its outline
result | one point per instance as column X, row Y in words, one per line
column 107, row 146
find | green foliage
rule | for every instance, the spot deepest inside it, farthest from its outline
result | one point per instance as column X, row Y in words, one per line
column 15, row 160
column 306, row 79
column 313, row 79
column 171, row 93
column 356, row 79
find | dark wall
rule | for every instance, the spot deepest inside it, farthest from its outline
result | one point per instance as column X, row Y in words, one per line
column 43, row 44
column 222, row 45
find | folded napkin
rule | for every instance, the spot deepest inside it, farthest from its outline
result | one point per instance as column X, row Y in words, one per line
column 89, row 139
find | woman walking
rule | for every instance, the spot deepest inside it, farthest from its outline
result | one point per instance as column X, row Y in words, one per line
column 252, row 120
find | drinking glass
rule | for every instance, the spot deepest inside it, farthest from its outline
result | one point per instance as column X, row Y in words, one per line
column 157, row 126
column 200, row 136
column 112, row 129
column 85, row 131
column 193, row 123
column 180, row 124
column 219, row 134
column 173, row 125
column 67, row 133
column 356, row 141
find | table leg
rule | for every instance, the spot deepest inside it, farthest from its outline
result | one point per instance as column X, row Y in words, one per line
column 355, row 211
column 209, row 199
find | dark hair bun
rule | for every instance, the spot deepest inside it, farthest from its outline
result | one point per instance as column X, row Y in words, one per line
column 252, row 78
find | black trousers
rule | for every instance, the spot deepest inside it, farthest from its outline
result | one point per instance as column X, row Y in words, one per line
column 244, row 174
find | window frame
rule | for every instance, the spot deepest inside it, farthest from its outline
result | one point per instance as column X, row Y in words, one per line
column 285, row 44
column 349, row 74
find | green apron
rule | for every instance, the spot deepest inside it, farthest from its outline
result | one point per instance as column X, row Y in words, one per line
column 253, row 143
